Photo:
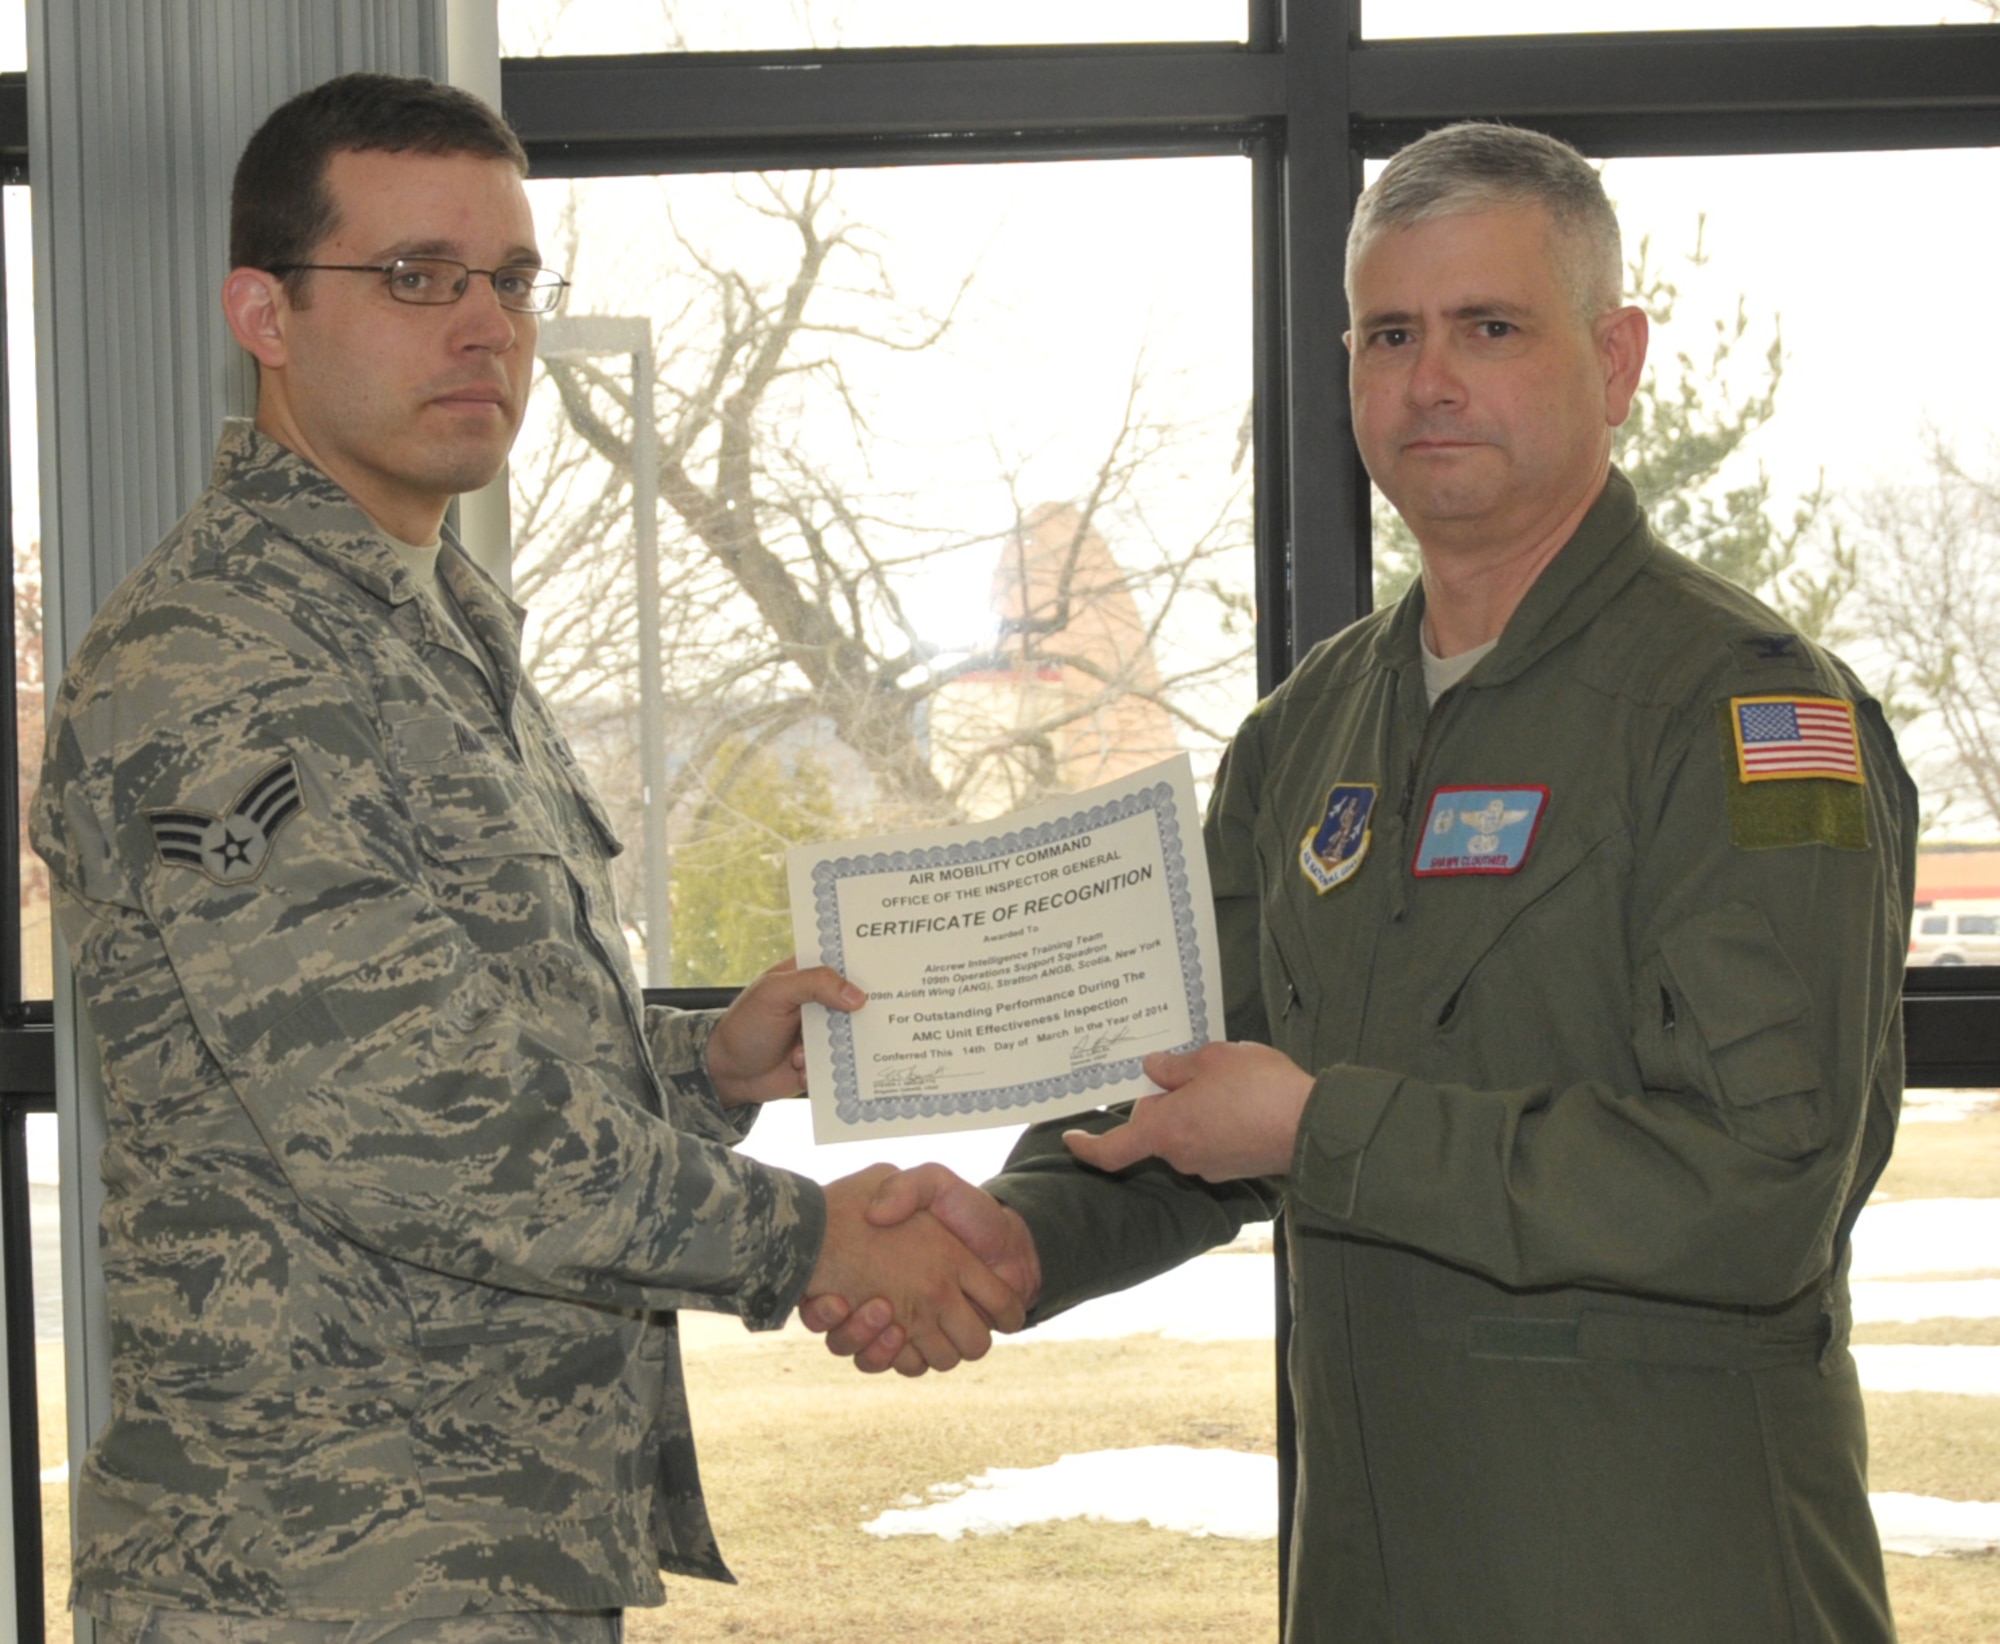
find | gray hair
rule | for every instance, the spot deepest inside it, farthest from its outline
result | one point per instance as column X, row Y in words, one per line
column 1479, row 166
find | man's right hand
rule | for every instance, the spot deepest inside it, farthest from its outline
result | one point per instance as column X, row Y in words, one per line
column 941, row 1299
column 874, row 1334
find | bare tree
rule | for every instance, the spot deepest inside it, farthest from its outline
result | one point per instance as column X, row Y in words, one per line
column 789, row 569
column 1931, row 586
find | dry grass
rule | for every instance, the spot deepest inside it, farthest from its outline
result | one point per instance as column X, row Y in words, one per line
column 1958, row 1160
column 55, row 1497
column 799, row 1452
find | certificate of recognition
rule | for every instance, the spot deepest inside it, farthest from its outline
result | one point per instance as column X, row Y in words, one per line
column 1017, row 969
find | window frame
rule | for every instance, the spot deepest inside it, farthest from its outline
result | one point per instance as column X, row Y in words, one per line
column 1309, row 102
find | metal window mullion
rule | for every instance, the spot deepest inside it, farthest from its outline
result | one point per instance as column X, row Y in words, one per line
column 1863, row 73
column 11, row 959
column 17, row 1296
column 720, row 98
column 1327, row 493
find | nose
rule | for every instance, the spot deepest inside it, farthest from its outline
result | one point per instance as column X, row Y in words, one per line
column 482, row 323
column 1434, row 378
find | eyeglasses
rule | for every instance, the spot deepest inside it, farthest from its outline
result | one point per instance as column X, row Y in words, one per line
column 434, row 282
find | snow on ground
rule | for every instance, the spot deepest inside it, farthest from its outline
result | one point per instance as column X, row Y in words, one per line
column 1900, row 1369
column 1923, row 1525
column 1169, row 1486
column 1212, row 1298
column 1891, row 1301
column 1899, row 1237
column 1229, row 1493
column 1229, row 1297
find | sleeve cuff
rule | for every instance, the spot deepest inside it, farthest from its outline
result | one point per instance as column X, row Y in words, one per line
column 677, row 1039
column 1341, row 1117
column 772, row 1296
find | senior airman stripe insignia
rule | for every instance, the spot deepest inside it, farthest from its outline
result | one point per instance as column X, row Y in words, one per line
column 231, row 849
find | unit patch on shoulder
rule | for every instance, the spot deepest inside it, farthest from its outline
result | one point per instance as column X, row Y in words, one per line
column 1812, row 805
column 231, row 849
column 1780, row 738
column 1332, row 852
column 1479, row 830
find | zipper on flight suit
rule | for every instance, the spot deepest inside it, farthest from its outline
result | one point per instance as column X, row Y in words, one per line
column 1434, row 724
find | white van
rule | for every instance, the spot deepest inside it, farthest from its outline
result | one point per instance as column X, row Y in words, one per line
column 1956, row 933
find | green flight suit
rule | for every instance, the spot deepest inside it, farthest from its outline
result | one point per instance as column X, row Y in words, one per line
column 1571, row 1195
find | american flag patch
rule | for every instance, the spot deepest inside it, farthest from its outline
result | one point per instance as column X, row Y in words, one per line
column 1791, row 736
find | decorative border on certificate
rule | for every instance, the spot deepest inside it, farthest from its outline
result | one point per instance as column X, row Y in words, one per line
column 1158, row 800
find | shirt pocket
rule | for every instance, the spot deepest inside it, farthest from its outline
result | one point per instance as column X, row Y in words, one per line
column 593, row 808
column 466, row 804
column 1551, row 912
column 1740, row 1020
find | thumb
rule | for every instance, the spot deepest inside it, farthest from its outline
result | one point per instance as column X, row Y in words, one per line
column 903, row 1194
column 1170, row 1069
column 1114, row 1150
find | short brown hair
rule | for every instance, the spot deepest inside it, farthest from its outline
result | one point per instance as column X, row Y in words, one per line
column 280, row 208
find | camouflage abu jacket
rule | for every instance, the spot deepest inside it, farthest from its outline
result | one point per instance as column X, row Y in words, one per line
column 398, row 1207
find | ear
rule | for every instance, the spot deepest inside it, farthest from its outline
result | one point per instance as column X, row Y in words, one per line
column 257, row 309
column 1621, row 347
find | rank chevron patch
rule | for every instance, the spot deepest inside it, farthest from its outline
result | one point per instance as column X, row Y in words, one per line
column 231, row 849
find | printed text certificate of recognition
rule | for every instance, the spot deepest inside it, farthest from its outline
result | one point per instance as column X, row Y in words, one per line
column 1017, row 969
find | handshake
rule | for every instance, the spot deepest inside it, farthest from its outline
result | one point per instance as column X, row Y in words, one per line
column 918, row 1270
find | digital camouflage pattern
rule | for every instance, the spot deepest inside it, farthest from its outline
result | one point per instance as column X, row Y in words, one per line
column 1569, row 1207
column 398, row 1205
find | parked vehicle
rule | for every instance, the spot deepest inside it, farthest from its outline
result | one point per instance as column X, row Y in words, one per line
column 1956, row 933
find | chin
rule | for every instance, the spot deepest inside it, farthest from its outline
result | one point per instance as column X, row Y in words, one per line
column 463, row 471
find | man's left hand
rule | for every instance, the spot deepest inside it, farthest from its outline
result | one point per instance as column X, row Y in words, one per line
column 1229, row 1110
column 755, row 1053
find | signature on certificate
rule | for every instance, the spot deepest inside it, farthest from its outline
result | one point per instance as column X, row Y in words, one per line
column 1092, row 1048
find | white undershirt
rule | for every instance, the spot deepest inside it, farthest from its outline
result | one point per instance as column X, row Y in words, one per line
column 1443, row 672
column 421, row 561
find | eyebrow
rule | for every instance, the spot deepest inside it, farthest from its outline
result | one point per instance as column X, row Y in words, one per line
column 1484, row 308
column 514, row 257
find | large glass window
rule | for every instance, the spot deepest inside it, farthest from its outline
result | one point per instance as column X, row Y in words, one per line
column 537, row 28
column 30, row 708
column 1428, row 19
column 943, row 488
column 45, row 1222
column 943, row 474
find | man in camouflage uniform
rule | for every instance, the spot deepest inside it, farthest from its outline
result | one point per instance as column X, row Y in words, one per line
column 1563, row 908
column 404, row 1181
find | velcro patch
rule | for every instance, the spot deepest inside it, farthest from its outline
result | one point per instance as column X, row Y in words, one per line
column 1784, row 738
column 1479, row 830
column 1807, row 810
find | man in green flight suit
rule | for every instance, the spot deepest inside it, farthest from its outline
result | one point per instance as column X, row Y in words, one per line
column 1563, row 908
column 404, row 1180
